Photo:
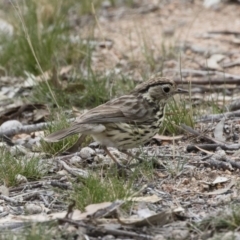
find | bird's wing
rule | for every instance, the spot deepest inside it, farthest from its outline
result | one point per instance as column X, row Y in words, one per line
column 124, row 109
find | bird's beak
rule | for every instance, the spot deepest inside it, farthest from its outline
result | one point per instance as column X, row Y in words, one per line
column 181, row 91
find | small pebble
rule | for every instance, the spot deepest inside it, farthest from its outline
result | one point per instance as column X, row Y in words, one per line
column 62, row 173
column 1, row 209
column 32, row 209
column 220, row 155
column 108, row 237
column 86, row 152
column 8, row 125
column 21, row 179
column 94, row 145
column 193, row 179
column 99, row 158
column 4, row 190
column 185, row 181
column 75, row 160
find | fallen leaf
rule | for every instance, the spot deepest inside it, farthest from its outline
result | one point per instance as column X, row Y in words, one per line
column 65, row 69
column 223, row 190
column 150, row 199
column 158, row 219
column 212, row 62
column 4, row 191
column 102, row 209
column 218, row 131
column 167, row 138
column 220, row 180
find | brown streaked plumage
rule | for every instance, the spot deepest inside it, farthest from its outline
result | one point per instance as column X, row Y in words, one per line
column 128, row 121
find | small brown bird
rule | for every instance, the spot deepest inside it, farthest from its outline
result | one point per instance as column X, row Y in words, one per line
column 128, row 121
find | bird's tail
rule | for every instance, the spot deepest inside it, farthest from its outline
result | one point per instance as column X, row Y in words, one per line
column 75, row 129
column 59, row 135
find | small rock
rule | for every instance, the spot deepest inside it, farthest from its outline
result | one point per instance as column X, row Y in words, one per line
column 220, row 155
column 228, row 172
column 86, row 152
column 99, row 158
column 62, row 179
column 4, row 190
column 180, row 234
column 32, row 209
column 8, row 125
column 94, row 145
column 21, row 179
column 75, row 160
column 193, row 179
column 6, row 28
column 159, row 237
column 185, row 181
column 106, row 4
column 62, row 173
column 108, row 237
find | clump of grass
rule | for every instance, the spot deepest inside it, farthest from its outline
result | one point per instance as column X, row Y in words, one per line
column 174, row 168
column 11, row 166
column 97, row 190
column 60, row 123
column 35, row 232
column 34, row 23
column 214, row 106
column 110, row 186
column 176, row 113
column 86, row 6
column 84, row 91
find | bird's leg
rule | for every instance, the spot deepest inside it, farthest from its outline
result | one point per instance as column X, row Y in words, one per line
column 112, row 157
column 76, row 145
column 132, row 156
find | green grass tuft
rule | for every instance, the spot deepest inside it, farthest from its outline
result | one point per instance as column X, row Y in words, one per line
column 36, row 231
column 95, row 190
column 176, row 113
column 11, row 166
column 61, row 146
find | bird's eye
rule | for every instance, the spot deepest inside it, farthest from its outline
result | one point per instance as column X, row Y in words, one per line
column 166, row 89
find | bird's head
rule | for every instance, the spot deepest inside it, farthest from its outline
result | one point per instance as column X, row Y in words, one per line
column 158, row 89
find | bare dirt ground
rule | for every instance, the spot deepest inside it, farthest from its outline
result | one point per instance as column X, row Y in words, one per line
column 182, row 24
column 197, row 174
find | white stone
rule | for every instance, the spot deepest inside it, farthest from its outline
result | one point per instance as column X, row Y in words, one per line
column 86, row 152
